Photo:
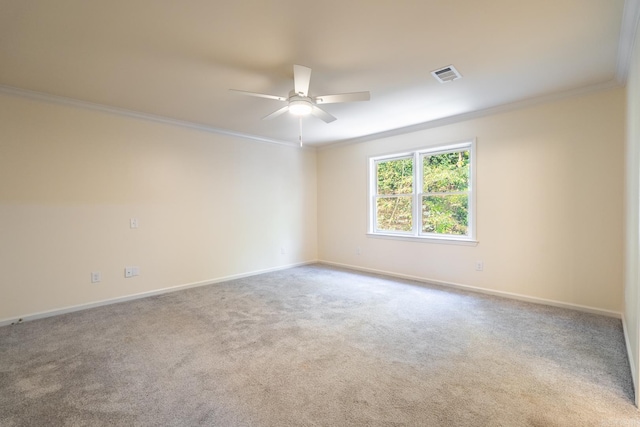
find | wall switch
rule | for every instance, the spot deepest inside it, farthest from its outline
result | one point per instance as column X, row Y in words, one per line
column 358, row 251
column 133, row 223
column 136, row 271
column 479, row 265
column 96, row 276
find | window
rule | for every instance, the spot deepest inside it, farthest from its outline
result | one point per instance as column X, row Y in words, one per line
column 425, row 194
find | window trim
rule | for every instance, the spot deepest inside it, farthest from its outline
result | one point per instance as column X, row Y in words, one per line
column 416, row 233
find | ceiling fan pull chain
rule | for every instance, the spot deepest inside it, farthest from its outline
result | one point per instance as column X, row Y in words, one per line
column 300, row 120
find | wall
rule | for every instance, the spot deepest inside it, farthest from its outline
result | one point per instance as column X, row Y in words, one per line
column 209, row 206
column 549, row 204
column 632, row 198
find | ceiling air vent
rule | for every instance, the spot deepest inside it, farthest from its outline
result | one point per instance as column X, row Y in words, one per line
column 446, row 74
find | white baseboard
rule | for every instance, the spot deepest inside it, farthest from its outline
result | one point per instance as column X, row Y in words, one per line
column 520, row 297
column 70, row 309
column 632, row 362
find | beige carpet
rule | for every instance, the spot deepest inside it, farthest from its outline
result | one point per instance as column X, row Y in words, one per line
column 317, row 346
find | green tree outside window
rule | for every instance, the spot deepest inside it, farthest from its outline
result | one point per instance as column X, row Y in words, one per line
column 434, row 184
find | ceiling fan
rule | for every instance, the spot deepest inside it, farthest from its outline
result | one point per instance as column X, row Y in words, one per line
column 299, row 103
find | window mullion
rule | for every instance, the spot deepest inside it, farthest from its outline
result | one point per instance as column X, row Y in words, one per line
column 417, row 190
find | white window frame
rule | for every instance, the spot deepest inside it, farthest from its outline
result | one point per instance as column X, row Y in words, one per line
column 416, row 233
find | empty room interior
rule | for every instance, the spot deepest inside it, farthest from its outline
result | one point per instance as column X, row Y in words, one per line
column 275, row 213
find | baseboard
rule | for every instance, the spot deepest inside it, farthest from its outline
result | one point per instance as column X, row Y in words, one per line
column 71, row 309
column 470, row 288
column 632, row 363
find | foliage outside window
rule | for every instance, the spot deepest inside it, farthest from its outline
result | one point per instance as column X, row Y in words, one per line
column 425, row 193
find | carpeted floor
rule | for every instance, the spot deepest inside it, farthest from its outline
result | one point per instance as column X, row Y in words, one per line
column 317, row 346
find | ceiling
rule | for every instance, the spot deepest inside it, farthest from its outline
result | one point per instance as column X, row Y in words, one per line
column 178, row 59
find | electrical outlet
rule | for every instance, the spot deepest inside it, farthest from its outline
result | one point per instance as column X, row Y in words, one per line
column 479, row 265
column 96, row 276
column 358, row 251
column 131, row 271
column 133, row 223
column 282, row 251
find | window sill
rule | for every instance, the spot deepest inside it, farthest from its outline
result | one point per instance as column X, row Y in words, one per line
column 437, row 240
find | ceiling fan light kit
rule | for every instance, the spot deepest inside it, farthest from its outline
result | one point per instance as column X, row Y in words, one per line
column 300, row 104
column 300, row 107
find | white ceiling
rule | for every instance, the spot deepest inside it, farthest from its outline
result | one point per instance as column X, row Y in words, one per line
column 177, row 59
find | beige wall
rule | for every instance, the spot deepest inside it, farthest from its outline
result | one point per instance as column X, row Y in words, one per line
column 209, row 206
column 632, row 278
column 549, row 202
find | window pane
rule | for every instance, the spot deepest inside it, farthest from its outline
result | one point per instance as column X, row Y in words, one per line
column 446, row 172
column 395, row 176
column 394, row 213
column 446, row 214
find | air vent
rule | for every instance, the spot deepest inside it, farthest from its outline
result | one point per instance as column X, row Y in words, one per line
column 446, row 74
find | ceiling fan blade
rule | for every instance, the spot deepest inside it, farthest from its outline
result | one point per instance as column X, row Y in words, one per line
column 322, row 115
column 301, row 79
column 276, row 113
column 343, row 97
column 260, row 95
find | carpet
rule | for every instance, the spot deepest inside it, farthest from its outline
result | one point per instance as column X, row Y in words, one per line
column 317, row 346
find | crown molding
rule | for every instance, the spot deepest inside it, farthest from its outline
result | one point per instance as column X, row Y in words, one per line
column 476, row 114
column 61, row 100
column 628, row 29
